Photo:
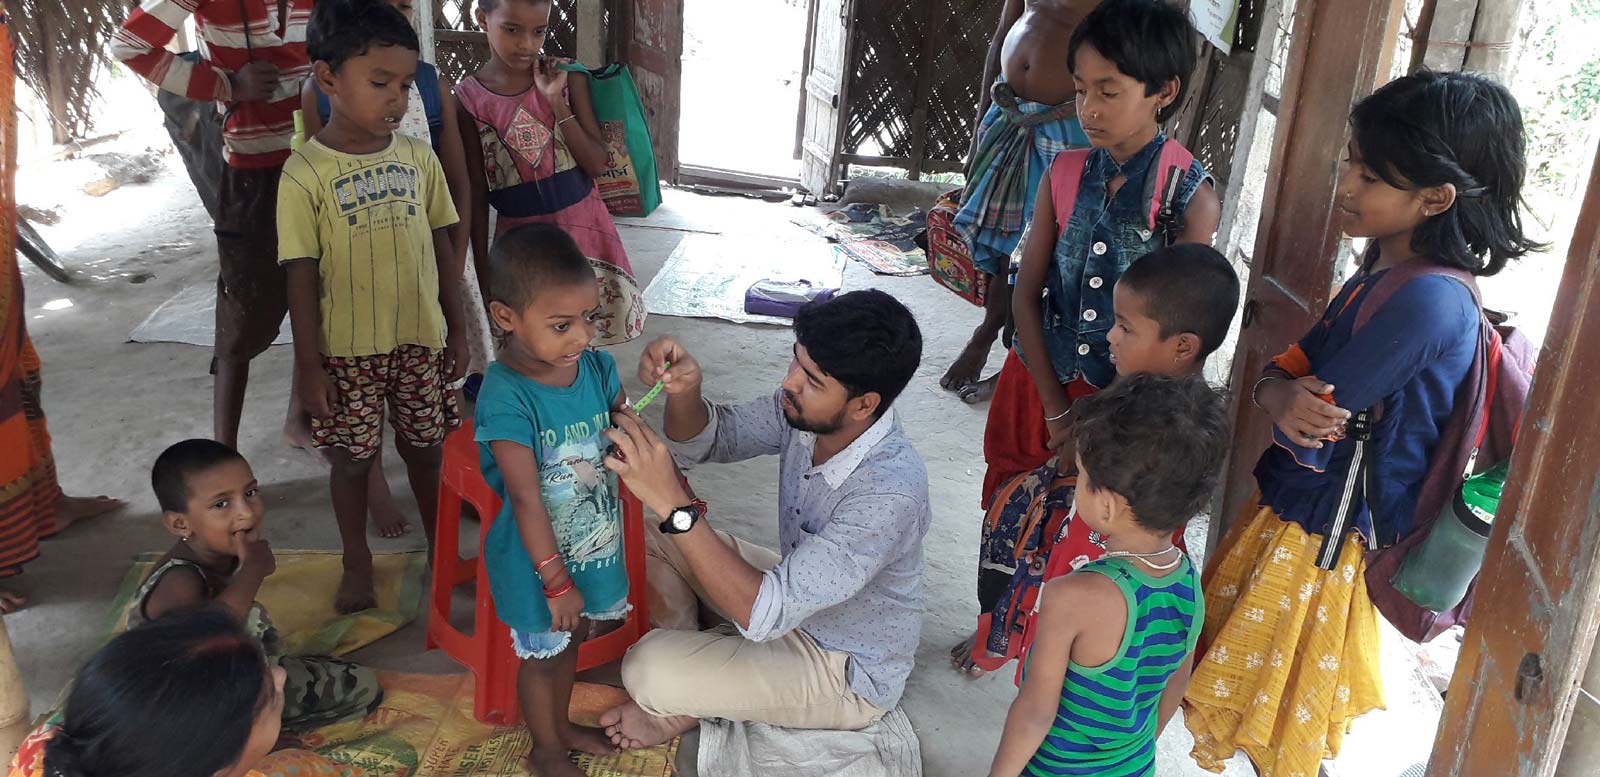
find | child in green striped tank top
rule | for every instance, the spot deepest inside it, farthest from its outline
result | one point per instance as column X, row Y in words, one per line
column 1112, row 655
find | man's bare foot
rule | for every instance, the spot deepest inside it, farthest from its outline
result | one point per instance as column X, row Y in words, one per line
column 72, row 509
column 386, row 517
column 553, row 763
column 631, row 728
column 980, row 392
column 961, row 658
column 969, row 365
column 11, row 601
column 356, row 591
column 587, row 739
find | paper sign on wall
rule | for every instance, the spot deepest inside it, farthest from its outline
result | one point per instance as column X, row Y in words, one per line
column 1216, row 19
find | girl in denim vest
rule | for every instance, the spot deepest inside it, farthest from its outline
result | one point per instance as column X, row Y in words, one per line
column 1130, row 61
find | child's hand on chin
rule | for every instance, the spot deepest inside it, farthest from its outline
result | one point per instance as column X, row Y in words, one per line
column 254, row 552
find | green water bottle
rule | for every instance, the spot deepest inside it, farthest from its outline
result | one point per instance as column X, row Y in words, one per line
column 299, row 138
column 1437, row 572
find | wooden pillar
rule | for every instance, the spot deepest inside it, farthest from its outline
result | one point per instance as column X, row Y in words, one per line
column 1449, row 34
column 1333, row 61
column 926, row 74
column 591, row 48
column 1537, row 605
column 1493, row 34
column 424, row 22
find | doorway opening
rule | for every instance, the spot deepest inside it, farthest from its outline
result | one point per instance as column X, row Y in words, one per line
column 741, row 86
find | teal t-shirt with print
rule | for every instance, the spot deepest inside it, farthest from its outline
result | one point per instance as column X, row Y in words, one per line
column 563, row 427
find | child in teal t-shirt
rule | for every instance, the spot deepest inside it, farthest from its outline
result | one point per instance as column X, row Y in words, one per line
column 554, row 553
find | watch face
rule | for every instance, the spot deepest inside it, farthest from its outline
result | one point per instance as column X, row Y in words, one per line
column 682, row 520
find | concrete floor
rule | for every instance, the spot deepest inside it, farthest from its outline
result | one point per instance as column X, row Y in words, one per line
column 114, row 405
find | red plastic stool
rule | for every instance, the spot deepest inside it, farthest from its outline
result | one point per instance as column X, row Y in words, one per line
column 487, row 650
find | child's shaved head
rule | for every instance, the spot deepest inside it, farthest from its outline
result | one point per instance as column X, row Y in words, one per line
column 173, row 468
column 533, row 258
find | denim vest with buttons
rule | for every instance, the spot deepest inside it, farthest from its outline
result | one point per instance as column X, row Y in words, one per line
column 1097, row 243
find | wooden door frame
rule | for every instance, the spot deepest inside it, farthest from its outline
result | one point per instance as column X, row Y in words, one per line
column 1335, row 59
column 1537, row 609
column 839, row 100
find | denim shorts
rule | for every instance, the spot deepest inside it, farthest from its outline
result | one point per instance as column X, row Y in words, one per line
column 549, row 644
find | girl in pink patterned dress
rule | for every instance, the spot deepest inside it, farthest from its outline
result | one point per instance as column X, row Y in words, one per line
column 534, row 149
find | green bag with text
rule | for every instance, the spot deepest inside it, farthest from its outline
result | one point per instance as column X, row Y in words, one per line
column 630, row 185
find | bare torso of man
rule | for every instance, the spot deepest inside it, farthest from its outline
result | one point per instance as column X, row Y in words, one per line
column 1033, row 57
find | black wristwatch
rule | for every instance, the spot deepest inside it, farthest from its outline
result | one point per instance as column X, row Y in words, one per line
column 684, row 518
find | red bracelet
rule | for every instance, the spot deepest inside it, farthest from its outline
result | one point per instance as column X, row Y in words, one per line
column 562, row 591
column 554, row 557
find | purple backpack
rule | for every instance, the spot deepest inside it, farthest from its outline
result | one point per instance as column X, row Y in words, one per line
column 1480, row 434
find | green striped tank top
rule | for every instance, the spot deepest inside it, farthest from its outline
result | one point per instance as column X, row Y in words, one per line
column 1106, row 723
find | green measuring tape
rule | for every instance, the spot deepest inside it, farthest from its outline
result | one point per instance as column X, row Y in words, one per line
column 649, row 396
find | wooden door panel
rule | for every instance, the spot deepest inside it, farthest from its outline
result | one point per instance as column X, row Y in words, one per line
column 827, row 57
column 653, row 48
column 1292, row 274
column 1537, row 605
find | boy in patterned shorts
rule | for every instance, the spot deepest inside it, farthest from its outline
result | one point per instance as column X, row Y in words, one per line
column 363, row 218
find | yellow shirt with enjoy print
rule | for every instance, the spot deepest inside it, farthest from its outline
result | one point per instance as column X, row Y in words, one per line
column 367, row 220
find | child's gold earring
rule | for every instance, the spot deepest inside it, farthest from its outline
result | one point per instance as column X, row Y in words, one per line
column 185, row 538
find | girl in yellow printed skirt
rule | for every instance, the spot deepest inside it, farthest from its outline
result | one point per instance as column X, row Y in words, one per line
column 1289, row 650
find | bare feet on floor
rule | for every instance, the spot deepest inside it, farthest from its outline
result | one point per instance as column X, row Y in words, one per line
column 553, row 763
column 356, row 591
column 72, row 509
column 968, row 366
column 631, row 728
column 588, row 739
column 979, row 392
column 386, row 516
column 11, row 601
column 961, row 657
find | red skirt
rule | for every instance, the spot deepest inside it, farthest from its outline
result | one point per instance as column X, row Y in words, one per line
column 1016, row 437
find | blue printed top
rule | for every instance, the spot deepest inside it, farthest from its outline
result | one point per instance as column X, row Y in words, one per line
column 1104, row 236
column 1412, row 355
column 563, row 426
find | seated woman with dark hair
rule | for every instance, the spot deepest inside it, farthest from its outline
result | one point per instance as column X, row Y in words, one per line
column 188, row 695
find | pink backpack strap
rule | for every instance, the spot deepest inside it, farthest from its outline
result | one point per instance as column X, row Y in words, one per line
column 1066, row 170
column 1171, row 166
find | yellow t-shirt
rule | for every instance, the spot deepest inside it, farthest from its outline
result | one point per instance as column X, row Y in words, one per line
column 368, row 222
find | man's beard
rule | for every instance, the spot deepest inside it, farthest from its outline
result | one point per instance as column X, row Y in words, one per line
column 800, row 424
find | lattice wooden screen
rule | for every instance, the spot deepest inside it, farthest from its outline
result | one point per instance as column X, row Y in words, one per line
column 911, row 53
column 462, row 55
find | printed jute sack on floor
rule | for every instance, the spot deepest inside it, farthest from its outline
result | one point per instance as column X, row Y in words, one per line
column 630, row 185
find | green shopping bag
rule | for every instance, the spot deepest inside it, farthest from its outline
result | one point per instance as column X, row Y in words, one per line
column 630, row 186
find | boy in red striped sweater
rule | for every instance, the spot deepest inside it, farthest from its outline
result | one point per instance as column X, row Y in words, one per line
column 255, row 60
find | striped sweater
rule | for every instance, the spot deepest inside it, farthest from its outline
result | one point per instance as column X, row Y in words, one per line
column 232, row 33
column 1106, row 723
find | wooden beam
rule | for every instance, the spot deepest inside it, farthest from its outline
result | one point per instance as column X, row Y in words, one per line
column 423, row 22
column 690, row 174
column 1537, row 606
column 1449, row 34
column 1419, row 34
column 926, row 73
column 1493, row 33
column 928, row 166
column 591, row 47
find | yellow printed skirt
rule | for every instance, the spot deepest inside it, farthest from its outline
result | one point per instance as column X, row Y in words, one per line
column 1289, row 652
